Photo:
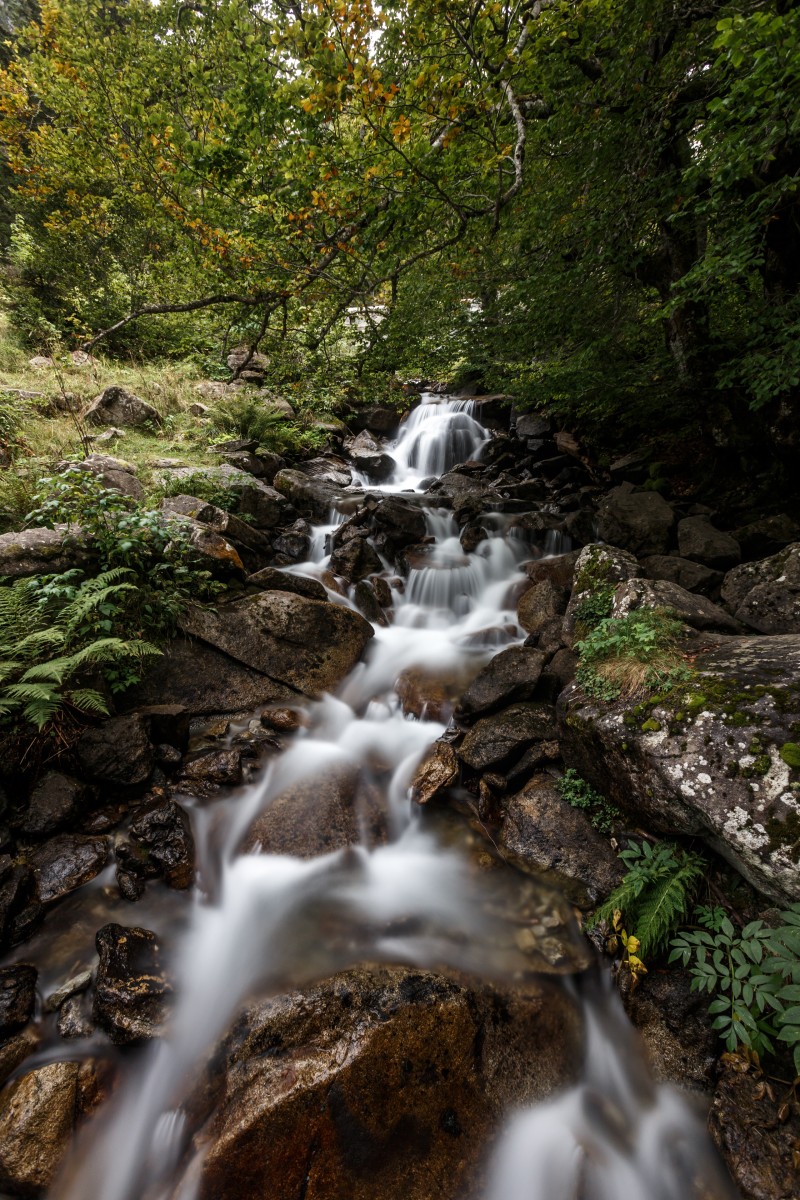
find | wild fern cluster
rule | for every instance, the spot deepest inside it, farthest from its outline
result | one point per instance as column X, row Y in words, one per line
column 53, row 646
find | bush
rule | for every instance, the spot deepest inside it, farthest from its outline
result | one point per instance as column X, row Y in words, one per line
column 250, row 418
column 621, row 656
column 164, row 565
column 58, row 631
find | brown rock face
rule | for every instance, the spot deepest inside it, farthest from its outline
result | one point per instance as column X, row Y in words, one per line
column 306, row 644
column 438, row 771
column 131, row 992
column 37, row 1115
column 379, row 1083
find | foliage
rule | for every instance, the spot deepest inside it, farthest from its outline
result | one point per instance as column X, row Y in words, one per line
column 12, row 410
column 655, row 894
column 594, row 608
column 251, row 418
column 621, row 656
column 55, row 634
column 754, row 976
column 166, row 568
column 602, row 813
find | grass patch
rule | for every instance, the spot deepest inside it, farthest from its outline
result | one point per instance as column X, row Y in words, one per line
column 623, row 657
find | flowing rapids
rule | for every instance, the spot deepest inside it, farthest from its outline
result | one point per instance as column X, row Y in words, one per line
column 261, row 923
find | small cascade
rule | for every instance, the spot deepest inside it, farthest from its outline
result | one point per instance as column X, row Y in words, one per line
column 440, row 433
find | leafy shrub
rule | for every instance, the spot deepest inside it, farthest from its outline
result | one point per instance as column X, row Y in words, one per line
column 655, row 895
column 55, row 633
column 250, row 418
column 204, row 487
column 621, row 656
column 754, row 976
column 576, row 791
column 594, row 608
column 156, row 550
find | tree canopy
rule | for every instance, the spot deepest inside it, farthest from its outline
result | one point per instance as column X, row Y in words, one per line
column 591, row 202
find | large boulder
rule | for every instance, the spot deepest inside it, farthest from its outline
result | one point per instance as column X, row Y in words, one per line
column 355, row 560
column 397, row 523
column 118, row 751
column 511, row 675
column 540, row 604
column 697, row 611
column 17, row 997
column 692, row 576
column 114, row 473
column 42, row 552
column 312, row 497
column 203, row 680
column 545, row 835
column 380, row 1082
column 66, row 862
column 699, row 540
column 306, row 644
column 320, row 814
column 638, row 521
column 265, row 506
column 20, row 905
column 369, row 458
column 766, row 595
column 56, row 802
column 223, row 523
column 506, row 735
column 37, row 1119
column 717, row 758
column 116, row 406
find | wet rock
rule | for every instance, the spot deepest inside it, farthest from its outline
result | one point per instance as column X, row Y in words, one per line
column 203, row 680
column 118, row 751
column 767, row 536
column 697, row 611
column 20, row 904
column 397, row 523
column 56, row 802
column 355, row 560
column 293, row 545
column 66, row 862
column 558, row 673
column 471, row 537
column 384, row 1082
column 282, row 720
column 131, row 992
column 225, row 524
column 37, row 1118
column 511, row 675
column 17, row 997
column 116, row 406
column 369, row 458
column 640, row 522
column 694, row 577
column 74, row 1020
column 216, row 768
column 539, row 604
column 164, row 835
column 314, row 498
column 700, row 541
column 544, row 834
column 41, row 552
column 428, row 695
column 716, row 761
column 468, row 495
column 766, row 595
column 598, row 567
column 319, row 815
column 71, row 987
column 558, row 569
column 438, row 771
column 305, row 644
column 494, row 739
column 219, row 556
column 270, row 579
column 265, row 505
column 15, row 1049
column 759, row 1151
column 367, row 602
column 675, row 1027
column 382, row 421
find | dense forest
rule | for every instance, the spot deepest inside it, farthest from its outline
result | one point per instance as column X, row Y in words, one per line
column 593, row 206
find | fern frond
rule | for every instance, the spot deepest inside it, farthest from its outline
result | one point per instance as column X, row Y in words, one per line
column 662, row 907
column 87, row 700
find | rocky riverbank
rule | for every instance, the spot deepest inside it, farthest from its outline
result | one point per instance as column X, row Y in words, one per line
column 106, row 829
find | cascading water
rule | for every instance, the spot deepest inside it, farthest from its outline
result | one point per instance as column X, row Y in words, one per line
column 263, row 923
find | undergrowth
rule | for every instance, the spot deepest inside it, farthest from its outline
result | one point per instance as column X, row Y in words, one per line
column 602, row 813
column 630, row 655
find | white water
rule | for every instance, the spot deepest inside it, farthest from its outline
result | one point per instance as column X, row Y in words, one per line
column 257, row 921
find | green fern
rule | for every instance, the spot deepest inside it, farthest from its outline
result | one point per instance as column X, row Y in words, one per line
column 49, row 644
column 656, row 893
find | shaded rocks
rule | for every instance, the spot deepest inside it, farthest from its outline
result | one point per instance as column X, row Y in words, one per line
column 637, row 521
column 700, row 541
column 540, row 604
column 558, row 570
column 384, row 1082
column 368, row 457
column 509, row 676
column 271, row 579
column 160, row 845
column 438, row 771
column 263, row 504
column 20, row 905
column 56, row 802
column 766, row 595
column 598, row 567
column 131, row 991
column 37, row 1118
column 249, row 364
column 313, row 498
column 545, row 835
column 354, row 560
column 495, row 739
column 17, row 997
column 397, row 523
column 329, row 469
column 41, row 552
column 697, row 611
column 250, row 542
column 693, row 576
column 118, row 751
column 306, row 644
column 66, row 862
column 718, row 760
column 116, row 406
column 767, row 536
